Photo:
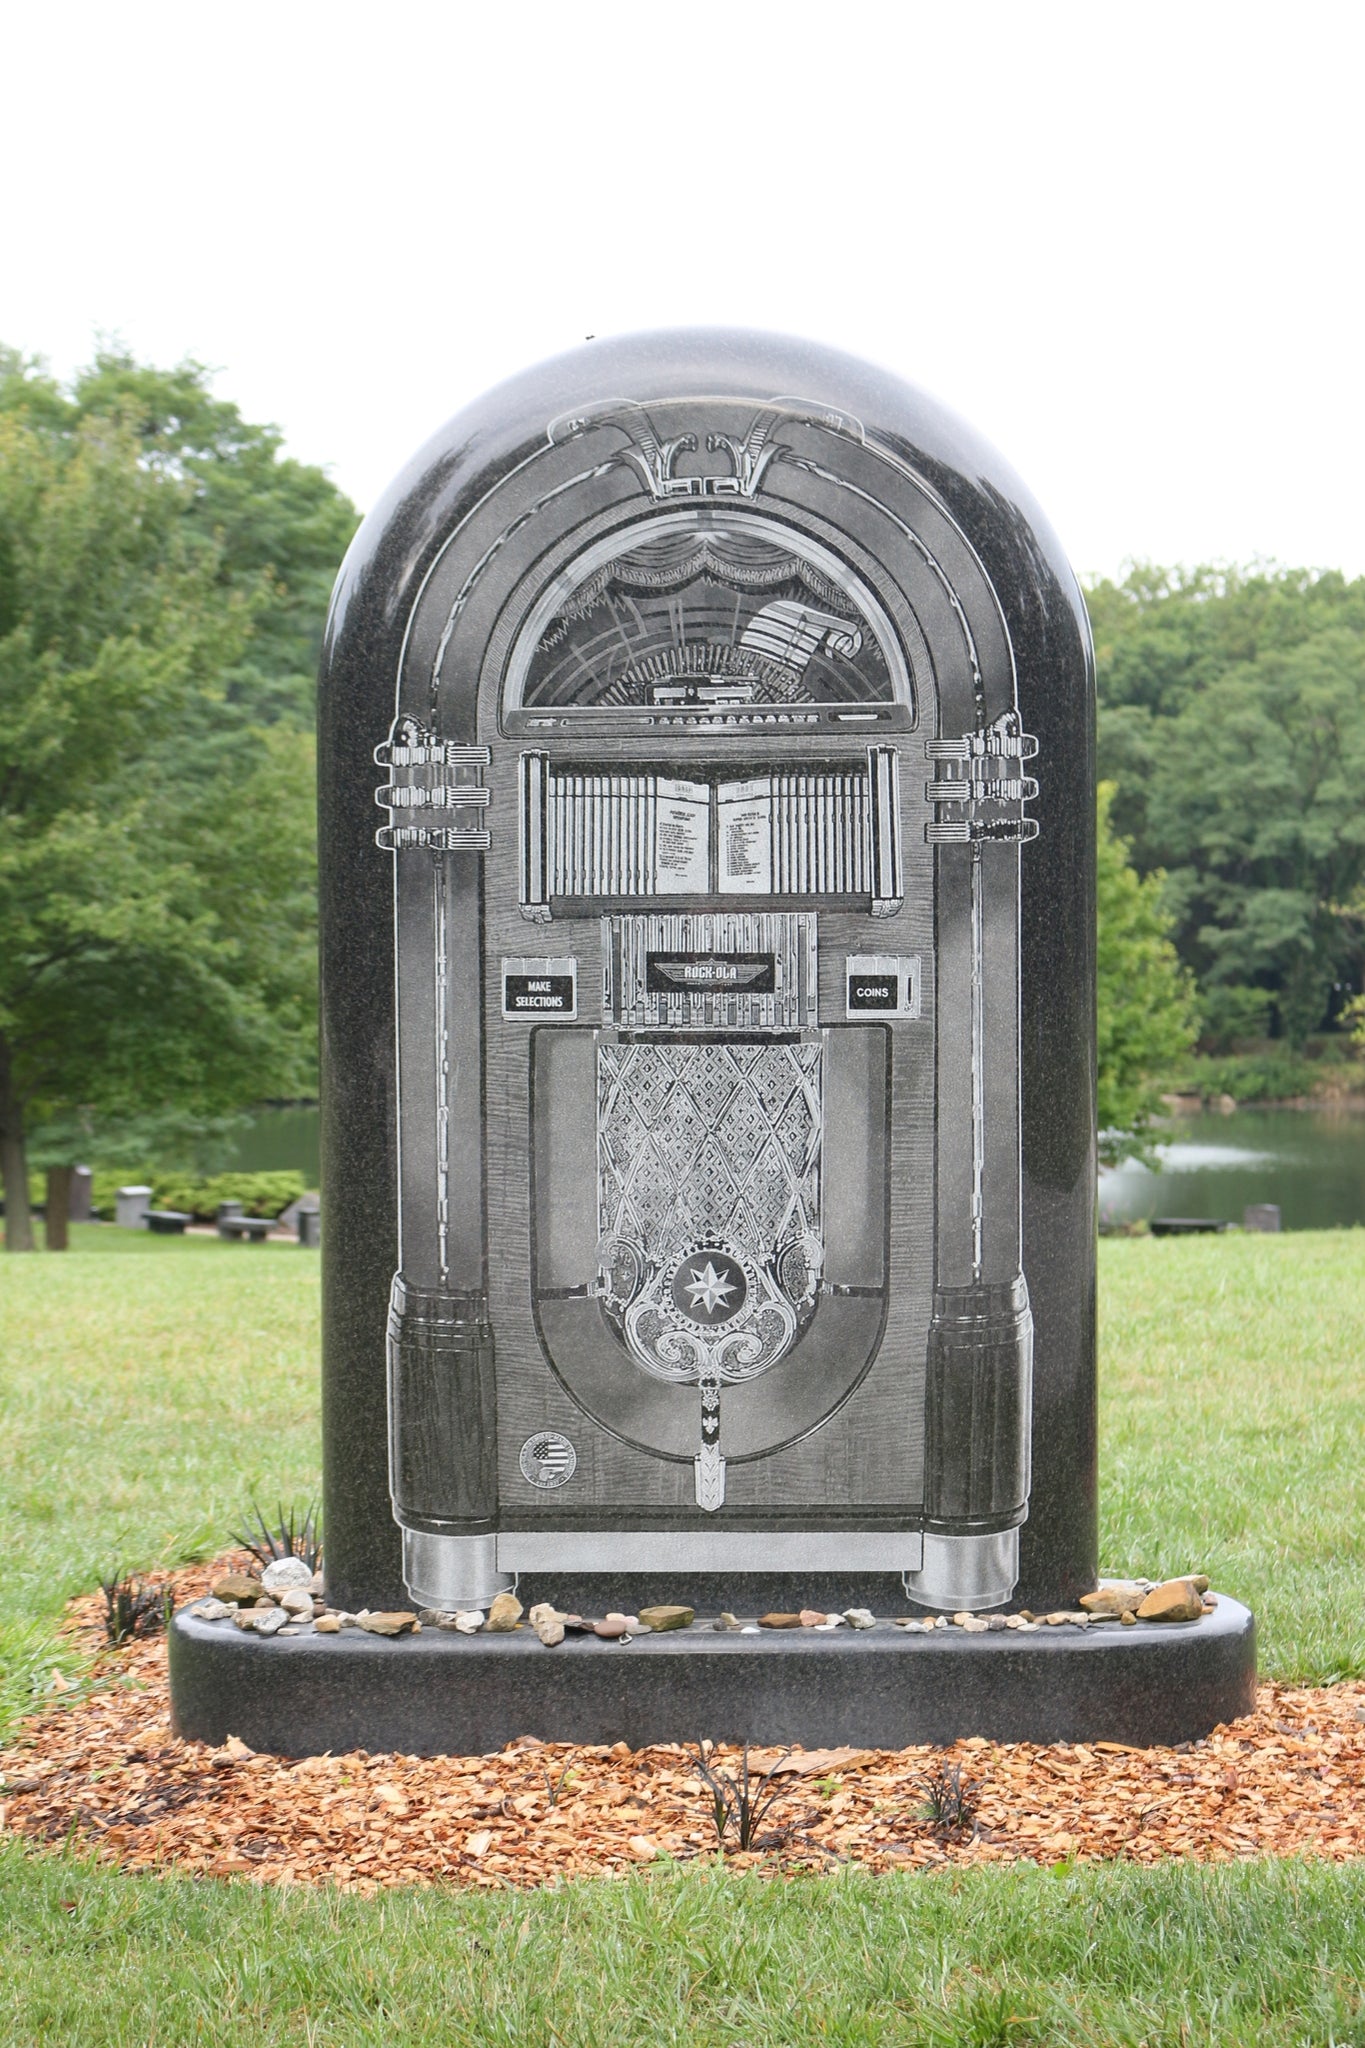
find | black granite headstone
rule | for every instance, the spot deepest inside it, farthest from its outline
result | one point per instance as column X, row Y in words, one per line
column 711, row 1189
column 708, row 1118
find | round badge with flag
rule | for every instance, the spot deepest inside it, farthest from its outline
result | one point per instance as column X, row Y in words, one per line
column 548, row 1459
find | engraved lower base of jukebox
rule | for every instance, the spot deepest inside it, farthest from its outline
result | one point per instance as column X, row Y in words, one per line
column 767, row 1414
column 971, row 1573
column 767, row 1552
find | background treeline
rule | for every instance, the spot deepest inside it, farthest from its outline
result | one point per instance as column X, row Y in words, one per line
column 1232, row 724
column 164, row 577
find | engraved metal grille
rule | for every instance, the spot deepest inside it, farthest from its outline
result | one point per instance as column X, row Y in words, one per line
column 710, row 1141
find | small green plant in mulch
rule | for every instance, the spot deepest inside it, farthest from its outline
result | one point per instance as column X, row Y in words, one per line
column 743, row 1801
column 950, row 1802
column 132, row 1609
column 291, row 1535
column 567, row 1781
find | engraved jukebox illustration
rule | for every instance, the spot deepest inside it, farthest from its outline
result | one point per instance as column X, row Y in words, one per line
column 706, row 794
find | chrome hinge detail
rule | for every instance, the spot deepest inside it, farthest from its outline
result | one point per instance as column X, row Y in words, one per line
column 979, row 790
column 431, row 775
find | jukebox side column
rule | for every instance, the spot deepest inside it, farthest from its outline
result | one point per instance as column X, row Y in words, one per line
column 978, row 1394
column 442, row 1397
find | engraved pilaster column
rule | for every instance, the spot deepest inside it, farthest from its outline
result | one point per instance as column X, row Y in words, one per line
column 442, row 1391
column 978, row 1392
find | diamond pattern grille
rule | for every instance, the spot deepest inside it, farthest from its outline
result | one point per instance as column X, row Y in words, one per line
column 710, row 1140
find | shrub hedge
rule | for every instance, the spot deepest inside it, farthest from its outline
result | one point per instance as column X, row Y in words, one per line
column 261, row 1194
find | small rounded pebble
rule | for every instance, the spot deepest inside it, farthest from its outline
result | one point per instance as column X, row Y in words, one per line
column 286, row 1571
column 547, row 1623
column 238, row 1586
column 1175, row 1600
column 661, row 1618
column 211, row 1610
column 396, row 1623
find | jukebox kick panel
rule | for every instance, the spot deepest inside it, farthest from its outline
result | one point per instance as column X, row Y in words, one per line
column 707, row 794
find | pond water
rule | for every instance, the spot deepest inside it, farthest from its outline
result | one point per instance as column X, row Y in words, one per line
column 1310, row 1162
column 273, row 1141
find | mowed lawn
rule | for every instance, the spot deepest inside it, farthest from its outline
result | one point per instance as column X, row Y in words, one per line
column 150, row 1388
column 1232, row 1430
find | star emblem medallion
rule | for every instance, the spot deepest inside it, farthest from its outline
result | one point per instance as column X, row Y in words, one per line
column 709, row 1287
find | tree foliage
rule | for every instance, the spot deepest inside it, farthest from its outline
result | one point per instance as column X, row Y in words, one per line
column 1232, row 718
column 274, row 526
column 1145, row 999
column 161, row 593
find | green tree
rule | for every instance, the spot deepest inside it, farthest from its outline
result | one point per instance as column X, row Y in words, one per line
column 276, row 526
column 1232, row 716
column 1145, row 999
column 157, row 951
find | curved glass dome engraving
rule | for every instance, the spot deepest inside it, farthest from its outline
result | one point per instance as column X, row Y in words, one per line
column 700, row 612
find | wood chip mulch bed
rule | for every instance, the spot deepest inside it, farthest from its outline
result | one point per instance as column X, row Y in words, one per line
column 99, row 1765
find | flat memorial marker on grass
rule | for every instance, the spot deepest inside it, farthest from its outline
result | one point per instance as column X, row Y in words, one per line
column 707, row 1101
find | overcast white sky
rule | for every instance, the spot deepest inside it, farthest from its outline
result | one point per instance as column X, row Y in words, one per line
column 1125, row 241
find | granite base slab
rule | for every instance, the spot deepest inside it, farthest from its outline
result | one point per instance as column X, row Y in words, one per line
column 436, row 1694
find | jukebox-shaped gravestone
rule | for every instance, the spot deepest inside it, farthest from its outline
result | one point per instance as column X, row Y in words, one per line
column 708, row 1131
column 707, row 676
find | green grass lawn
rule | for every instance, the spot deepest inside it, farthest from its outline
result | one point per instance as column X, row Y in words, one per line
column 1241, row 1956
column 1232, row 1430
column 149, row 1387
